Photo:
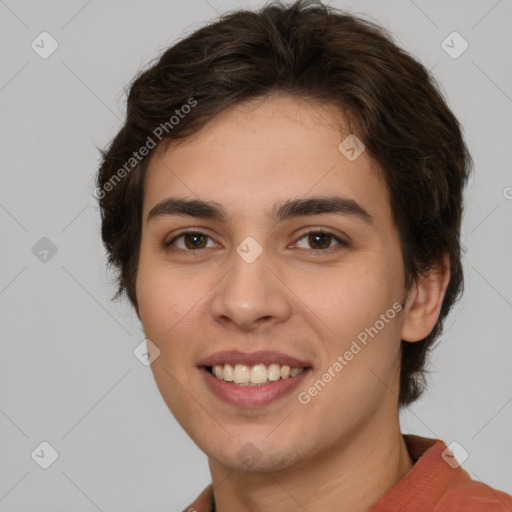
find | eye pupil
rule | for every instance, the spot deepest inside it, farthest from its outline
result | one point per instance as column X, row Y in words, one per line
column 196, row 238
column 321, row 239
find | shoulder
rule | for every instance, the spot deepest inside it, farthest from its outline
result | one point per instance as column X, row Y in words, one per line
column 438, row 483
column 451, row 485
column 204, row 502
column 471, row 495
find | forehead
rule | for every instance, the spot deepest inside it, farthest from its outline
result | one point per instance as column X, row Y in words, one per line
column 259, row 153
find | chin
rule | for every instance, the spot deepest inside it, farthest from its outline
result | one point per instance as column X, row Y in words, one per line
column 254, row 457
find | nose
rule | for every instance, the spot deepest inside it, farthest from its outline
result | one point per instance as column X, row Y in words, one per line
column 251, row 295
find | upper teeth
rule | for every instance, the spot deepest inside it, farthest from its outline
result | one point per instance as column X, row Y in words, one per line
column 257, row 374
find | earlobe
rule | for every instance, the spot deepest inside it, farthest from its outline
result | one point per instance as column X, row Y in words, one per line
column 424, row 302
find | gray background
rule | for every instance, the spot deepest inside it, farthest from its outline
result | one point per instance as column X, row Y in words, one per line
column 68, row 374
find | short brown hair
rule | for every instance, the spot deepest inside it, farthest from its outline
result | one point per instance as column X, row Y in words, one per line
column 316, row 52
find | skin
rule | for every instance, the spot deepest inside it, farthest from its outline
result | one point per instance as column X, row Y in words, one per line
column 343, row 449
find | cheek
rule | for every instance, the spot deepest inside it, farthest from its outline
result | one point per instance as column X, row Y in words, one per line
column 350, row 301
column 343, row 295
column 160, row 306
column 170, row 301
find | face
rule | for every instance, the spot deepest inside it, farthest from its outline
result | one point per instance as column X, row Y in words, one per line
column 295, row 254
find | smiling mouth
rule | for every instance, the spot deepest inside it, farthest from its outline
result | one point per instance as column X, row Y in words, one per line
column 255, row 375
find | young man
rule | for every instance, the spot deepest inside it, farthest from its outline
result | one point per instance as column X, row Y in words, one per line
column 283, row 205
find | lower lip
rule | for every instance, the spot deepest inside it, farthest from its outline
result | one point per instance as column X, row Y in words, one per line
column 251, row 396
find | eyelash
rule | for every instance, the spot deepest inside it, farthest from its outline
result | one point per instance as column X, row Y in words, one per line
column 341, row 242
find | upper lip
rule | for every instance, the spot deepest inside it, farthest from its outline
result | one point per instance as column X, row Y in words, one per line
column 265, row 357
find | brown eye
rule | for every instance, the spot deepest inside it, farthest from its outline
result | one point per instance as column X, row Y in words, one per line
column 320, row 240
column 190, row 240
column 195, row 241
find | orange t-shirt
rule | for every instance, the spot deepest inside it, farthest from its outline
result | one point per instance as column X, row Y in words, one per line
column 432, row 485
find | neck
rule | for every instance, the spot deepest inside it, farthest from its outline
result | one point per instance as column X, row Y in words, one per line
column 348, row 478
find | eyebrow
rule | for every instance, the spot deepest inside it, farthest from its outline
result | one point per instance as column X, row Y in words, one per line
column 281, row 212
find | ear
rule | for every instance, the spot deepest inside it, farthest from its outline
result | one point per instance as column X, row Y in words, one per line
column 424, row 302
